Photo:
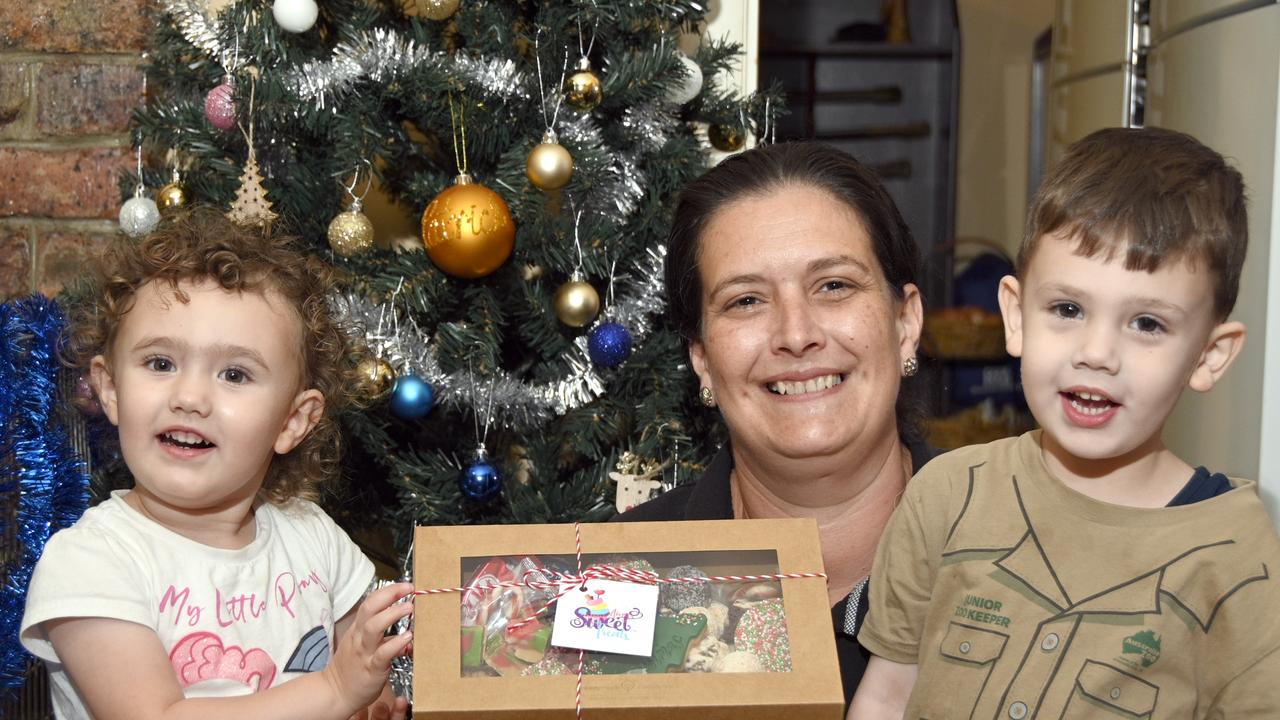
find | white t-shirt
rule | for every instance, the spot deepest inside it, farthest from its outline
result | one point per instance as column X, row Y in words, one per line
column 232, row 621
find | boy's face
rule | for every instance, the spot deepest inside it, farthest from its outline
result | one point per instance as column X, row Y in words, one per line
column 205, row 392
column 1106, row 351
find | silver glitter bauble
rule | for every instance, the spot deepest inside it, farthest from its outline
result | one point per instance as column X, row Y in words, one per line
column 139, row 215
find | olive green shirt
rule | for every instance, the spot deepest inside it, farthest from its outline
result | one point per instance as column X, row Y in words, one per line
column 1018, row 597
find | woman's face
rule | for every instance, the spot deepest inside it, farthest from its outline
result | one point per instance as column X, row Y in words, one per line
column 802, row 340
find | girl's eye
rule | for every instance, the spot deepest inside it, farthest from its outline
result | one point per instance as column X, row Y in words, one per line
column 1147, row 324
column 158, row 364
column 1066, row 310
column 235, row 375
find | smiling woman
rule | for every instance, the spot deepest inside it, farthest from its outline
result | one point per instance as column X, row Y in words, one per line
column 792, row 277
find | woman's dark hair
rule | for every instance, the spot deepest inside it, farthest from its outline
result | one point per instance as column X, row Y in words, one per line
column 760, row 171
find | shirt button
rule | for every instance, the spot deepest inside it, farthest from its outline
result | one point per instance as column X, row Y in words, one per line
column 1115, row 693
column 1018, row 710
column 964, row 647
column 1050, row 642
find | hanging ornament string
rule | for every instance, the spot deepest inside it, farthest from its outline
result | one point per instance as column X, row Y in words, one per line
column 576, row 302
column 458, row 125
column 578, row 19
column 550, row 123
column 549, row 166
column 564, row 583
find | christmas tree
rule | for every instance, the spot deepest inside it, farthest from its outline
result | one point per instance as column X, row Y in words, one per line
column 522, row 358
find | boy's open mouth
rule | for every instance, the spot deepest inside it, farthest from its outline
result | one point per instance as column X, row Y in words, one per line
column 185, row 440
column 1089, row 403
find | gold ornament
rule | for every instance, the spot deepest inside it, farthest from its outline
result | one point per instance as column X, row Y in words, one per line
column 172, row 196
column 351, row 232
column 583, row 89
column 468, row 230
column 376, row 377
column 549, row 166
column 726, row 138
column 251, row 206
column 429, row 9
column 577, row 303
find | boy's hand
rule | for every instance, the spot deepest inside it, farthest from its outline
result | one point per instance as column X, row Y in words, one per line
column 362, row 662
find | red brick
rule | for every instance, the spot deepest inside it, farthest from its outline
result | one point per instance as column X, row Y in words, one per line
column 75, row 25
column 78, row 183
column 15, row 262
column 63, row 256
column 80, row 99
column 15, row 96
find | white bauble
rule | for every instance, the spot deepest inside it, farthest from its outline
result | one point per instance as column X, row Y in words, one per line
column 295, row 16
column 689, row 87
column 139, row 215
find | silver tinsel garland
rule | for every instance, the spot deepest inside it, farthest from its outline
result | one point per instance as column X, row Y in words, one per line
column 393, row 336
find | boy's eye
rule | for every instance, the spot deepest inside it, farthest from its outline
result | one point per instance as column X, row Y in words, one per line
column 1067, row 310
column 1147, row 324
column 235, row 375
column 158, row 364
column 745, row 301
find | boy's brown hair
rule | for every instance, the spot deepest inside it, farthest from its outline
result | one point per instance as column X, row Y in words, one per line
column 1156, row 195
column 203, row 244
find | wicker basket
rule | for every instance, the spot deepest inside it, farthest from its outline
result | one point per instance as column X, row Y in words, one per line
column 963, row 333
column 974, row 426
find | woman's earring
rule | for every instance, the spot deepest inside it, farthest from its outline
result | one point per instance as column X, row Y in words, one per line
column 910, row 366
column 707, row 397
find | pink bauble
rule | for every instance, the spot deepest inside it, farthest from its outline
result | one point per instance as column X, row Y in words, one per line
column 220, row 108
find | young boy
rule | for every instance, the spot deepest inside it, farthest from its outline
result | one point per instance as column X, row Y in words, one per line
column 214, row 587
column 1083, row 569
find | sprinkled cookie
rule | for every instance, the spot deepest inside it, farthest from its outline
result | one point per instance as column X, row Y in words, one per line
column 738, row 661
column 679, row 596
column 763, row 631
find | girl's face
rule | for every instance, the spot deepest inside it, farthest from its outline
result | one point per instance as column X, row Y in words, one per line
column 803, row 340
column 205, row 392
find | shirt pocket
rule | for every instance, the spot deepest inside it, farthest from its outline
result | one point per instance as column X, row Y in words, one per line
column 951, row 685
column 1105, row 691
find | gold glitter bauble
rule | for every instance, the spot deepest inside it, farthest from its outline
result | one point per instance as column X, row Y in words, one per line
column 577, row 303
column 468, row 230
column 583, row 89
column 171, row 196
column 549, row 166
column 351, row 232
column 429, row 9
column 726, row 138
column 376, row 378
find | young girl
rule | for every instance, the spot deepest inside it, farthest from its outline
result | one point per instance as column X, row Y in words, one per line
column 215, row 587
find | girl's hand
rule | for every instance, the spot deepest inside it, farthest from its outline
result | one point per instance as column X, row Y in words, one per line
column 358, row 671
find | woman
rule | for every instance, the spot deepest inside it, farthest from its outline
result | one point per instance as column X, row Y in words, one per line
column 791, row 275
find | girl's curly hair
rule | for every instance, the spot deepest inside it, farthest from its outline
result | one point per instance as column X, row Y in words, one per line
column 203, row 244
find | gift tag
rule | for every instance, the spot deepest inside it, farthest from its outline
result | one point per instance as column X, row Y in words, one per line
column 608, row 616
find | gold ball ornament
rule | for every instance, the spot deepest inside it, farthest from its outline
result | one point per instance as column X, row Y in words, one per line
column 576, row 302
column 549, row 166
column 430, row 9
column 583, row 89
column 468, row 230
column 351, row 232
column 172, row 196
column 376, row 377
column 726, row 138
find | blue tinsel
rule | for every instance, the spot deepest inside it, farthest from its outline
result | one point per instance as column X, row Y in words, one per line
column 37, row 462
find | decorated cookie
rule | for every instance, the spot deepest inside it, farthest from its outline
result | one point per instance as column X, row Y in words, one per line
column 672, row 639
column 763, row 631
column 717, row 615
column 738, row 661
column 704, row 656
column 552, row 664
column 679, row 596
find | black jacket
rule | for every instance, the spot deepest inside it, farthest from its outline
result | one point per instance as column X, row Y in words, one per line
column 709, row 498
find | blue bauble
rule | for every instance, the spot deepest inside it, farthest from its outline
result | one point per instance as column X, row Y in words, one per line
column 609, row 344
column 411, row 398
column 480, row 481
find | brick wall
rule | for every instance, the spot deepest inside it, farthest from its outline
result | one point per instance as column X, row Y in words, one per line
column 69, row 77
